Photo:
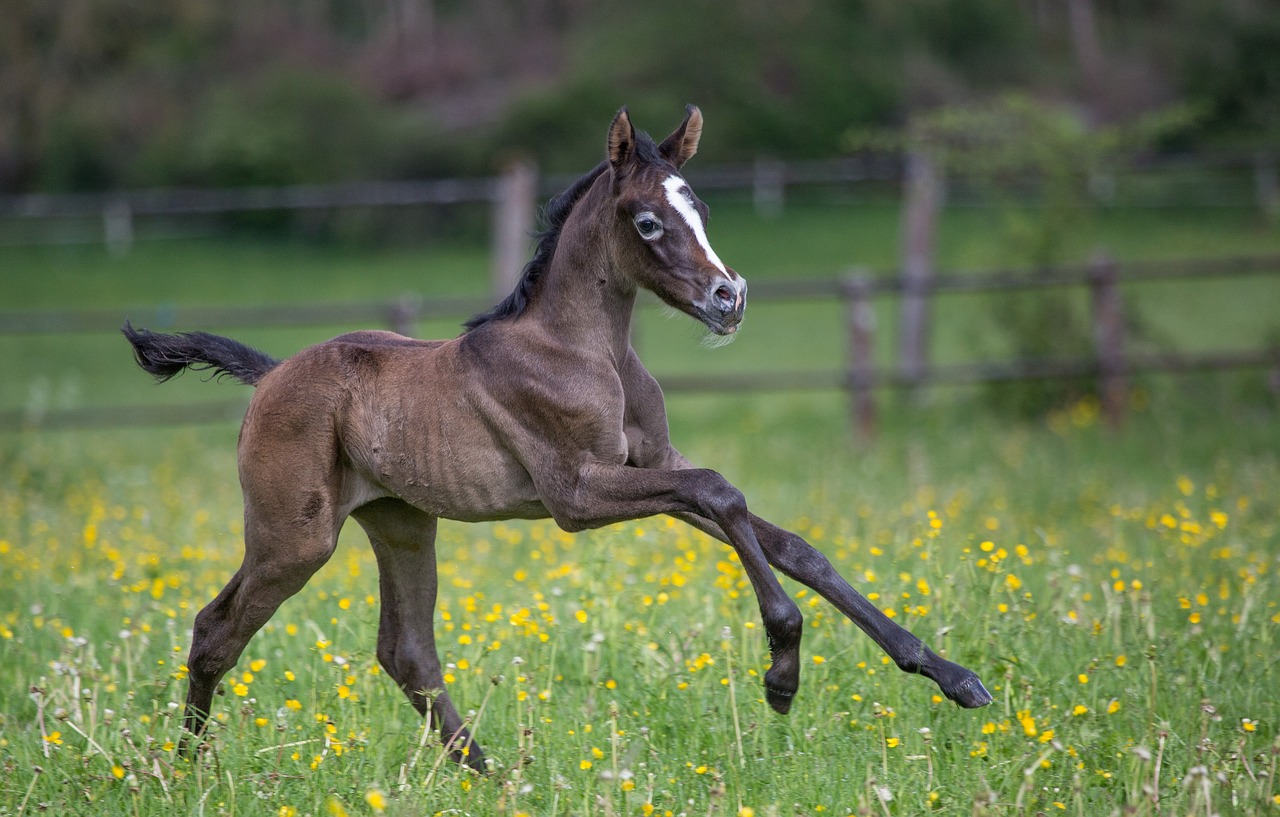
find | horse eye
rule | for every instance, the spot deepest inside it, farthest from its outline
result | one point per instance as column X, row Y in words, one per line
column 648, row 226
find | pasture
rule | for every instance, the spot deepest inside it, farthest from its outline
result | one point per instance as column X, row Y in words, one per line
column 1117, row 592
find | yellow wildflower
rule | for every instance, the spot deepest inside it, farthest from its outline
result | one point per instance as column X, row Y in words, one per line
column 376, row 800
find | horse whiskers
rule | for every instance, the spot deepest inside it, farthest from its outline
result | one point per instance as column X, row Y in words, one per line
column 707, row 339
column 670, row 312
column 710, row 340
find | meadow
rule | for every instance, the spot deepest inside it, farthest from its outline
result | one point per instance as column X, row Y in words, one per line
column 1117, row 591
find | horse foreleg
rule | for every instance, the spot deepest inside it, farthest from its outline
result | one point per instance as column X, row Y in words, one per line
column 603, row 494
column 403, row 540
column 801, row 561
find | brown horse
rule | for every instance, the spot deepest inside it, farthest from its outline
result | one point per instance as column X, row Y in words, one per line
column 540, row 409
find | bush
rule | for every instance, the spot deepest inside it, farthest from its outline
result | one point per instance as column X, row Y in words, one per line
column 291, row 127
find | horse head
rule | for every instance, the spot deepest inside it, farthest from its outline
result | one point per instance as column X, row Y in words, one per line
column 661, row 228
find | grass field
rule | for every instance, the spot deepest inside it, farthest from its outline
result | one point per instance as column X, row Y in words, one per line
column 1118, row 592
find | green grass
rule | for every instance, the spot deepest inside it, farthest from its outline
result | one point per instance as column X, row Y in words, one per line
column 1116, row 591
column 1124, row 612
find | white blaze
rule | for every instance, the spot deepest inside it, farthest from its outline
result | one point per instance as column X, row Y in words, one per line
column 684, row 207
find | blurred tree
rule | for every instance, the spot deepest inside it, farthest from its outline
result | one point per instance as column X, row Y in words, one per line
column 1231, row 69
column 86, row 81
column 98, row 93
column 1019, row 151
column 284, row 126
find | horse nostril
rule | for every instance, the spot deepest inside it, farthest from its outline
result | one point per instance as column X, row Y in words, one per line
column 726, row 296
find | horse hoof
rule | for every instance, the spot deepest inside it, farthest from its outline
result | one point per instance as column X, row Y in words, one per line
column 190, row 746
column 971, row 694
column 779, row 700
column 473, row 758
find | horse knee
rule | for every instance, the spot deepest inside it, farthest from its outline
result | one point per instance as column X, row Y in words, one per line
column 719, row 497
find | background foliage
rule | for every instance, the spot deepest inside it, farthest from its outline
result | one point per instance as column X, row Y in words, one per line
column 102, row 93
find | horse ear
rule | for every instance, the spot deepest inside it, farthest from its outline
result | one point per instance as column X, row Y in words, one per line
column 622, row 139
column 680, row 146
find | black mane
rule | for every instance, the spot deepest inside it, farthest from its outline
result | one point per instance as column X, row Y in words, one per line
column 553, row 218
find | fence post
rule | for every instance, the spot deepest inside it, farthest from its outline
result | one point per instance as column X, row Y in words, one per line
column 768, row 187
column 921, row 202
column 514, row 209
column 117, row 226
column 1108, row 337
column 1266, row 183
column 402, row 315
column 860, row 319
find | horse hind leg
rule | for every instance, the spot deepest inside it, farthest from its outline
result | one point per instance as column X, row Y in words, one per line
column 279, row 559
column 403, row 540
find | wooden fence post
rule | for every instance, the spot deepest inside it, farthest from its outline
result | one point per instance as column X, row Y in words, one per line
column 1266, row 183
column 117, row 226
column 403, row 315
column 860, row 320
column 768, row 187
column 921, row 202
column 514, row 214
column 1108, row 338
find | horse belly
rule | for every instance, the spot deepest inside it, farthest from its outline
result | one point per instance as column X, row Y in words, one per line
column 452, row 470
column 476, row 492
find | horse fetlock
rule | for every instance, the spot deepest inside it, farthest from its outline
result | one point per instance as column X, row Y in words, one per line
column 193, row 721
column 916, row 658
column 784, row 626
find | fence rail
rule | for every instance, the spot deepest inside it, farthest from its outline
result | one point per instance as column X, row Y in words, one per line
column 1111, row 363
column 399, row 314
column 513, row 194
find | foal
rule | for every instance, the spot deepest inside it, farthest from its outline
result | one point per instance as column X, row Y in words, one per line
column 540, row 409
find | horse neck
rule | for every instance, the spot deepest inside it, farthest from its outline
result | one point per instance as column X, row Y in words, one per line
column 583, row 300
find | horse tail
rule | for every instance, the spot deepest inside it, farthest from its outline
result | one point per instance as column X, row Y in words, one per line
column 166, row 356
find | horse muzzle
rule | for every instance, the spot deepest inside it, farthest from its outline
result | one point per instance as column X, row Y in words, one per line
column 722, row 306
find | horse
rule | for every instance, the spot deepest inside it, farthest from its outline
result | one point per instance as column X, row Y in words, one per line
column 540, row 408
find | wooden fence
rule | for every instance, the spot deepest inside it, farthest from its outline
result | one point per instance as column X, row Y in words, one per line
column 1111, row 362
column 512, row 197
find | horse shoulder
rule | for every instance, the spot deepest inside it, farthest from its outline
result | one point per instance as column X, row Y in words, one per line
column 546, row 402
